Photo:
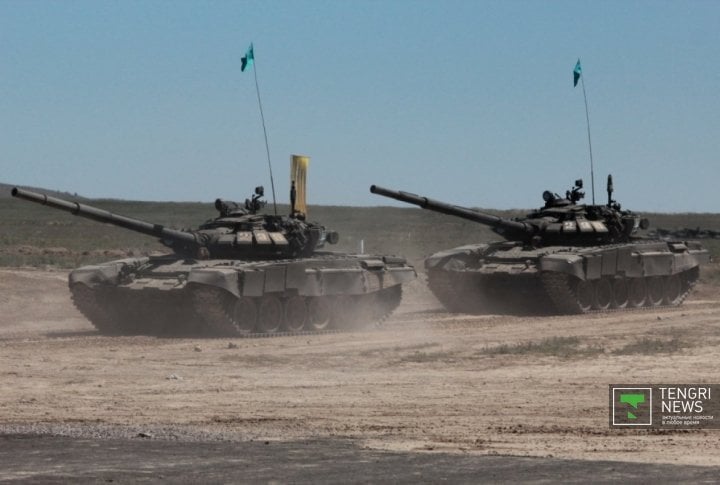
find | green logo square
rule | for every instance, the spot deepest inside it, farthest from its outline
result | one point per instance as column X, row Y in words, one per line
column 631, row 406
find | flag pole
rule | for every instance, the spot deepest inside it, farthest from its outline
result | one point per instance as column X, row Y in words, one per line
column 580, row 74
column 262, row 117
column 587, row 117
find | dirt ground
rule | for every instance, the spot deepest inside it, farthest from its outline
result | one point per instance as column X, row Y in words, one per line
column 427, row 382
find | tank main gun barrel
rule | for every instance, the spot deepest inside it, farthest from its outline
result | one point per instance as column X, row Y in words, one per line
column 455, row 210
column 104, row 216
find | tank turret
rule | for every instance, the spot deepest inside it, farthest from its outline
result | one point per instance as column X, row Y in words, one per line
column 238, row 233
column 560, row 220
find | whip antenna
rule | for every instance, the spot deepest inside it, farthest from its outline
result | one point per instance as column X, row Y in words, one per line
column 577, row 74
column 248, row 61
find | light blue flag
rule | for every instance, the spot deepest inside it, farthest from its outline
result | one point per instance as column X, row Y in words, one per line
column 248, row 59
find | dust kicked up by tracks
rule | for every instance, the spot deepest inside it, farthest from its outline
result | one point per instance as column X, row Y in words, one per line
column 427, row 382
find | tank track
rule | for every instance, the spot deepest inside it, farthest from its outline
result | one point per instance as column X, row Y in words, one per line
column 112, row 314
column 475, row 293
column 563, row 294
column 208, row 312
column 115, row 312
column 456, row 292
column 102, row 317
column 539, row 294
column 217, row 318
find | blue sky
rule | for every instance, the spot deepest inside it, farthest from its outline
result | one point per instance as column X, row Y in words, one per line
column 466, row 101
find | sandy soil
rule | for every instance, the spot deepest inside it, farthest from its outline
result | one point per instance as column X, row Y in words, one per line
column 428, row 381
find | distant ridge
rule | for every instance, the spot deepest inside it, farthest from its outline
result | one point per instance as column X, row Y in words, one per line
column 5, row 190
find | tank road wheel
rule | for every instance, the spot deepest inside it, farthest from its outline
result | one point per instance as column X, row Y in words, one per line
column 222, row 313
column 603, row 294
column 637, row 293
column 296, row 313
column 673, row 290
column 585, row 295
column 655, row 291
column 621, row 293
column 319, row 312
column 270, row 314
column 244, row 315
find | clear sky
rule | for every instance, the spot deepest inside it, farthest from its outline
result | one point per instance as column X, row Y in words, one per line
column 467, row 101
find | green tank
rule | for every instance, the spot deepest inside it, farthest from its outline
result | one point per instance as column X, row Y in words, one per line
column 242, row 273
column 564, row 258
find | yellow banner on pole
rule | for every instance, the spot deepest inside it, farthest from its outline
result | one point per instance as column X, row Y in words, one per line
column 298, row 177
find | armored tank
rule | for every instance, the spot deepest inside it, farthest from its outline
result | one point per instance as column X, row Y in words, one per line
column 564, row 258
column 242, row 273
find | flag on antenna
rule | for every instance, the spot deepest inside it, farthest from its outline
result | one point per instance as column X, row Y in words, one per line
column 247, row 59
column 577, row 72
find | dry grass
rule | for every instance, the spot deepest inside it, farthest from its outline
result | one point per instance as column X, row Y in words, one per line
column 563, row 347
column 652, row 346
column 419, row 357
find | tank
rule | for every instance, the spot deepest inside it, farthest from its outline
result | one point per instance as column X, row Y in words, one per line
column 563, row 258
column 242, row 273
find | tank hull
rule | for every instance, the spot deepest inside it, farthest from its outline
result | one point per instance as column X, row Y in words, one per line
column 512, row 278
column 172, row 296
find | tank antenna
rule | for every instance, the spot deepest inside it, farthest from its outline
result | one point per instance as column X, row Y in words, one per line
column 577, row 74
column 249, row 61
